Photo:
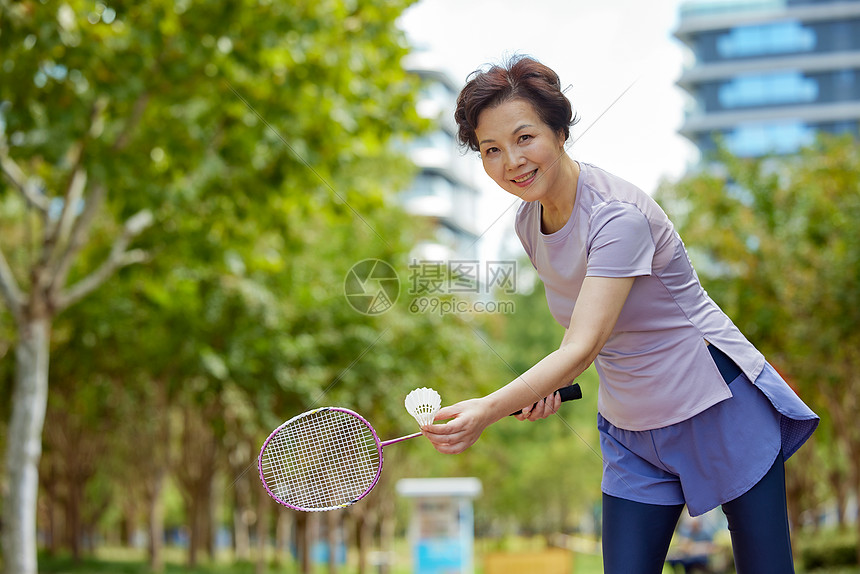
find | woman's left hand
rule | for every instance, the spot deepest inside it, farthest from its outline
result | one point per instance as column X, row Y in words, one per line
column 468, row 420
column 542, row 409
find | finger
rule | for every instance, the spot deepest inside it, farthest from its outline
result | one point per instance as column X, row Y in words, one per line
column 538, row 410
column 551, row 404
column 447, row 444
column 556, row 402
column 449, row 429
column 450, row 449
column 439, row 430
column 446, row 413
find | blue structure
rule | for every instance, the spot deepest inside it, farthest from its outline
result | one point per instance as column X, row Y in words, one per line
column 442, row 527
column 768, row 75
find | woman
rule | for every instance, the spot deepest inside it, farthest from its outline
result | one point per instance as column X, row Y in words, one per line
column 689, row 411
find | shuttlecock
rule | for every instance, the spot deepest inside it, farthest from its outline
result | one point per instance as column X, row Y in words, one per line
column 423, row 404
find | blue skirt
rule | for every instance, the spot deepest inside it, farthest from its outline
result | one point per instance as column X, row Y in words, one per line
column 715, row 456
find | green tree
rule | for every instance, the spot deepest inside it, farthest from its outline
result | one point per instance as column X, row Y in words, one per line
column 246, row 115
column 775, row 243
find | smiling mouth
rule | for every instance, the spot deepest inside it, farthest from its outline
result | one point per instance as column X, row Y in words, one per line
column 526, row 177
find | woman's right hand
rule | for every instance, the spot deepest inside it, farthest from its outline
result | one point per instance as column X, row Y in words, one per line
column 468, row 419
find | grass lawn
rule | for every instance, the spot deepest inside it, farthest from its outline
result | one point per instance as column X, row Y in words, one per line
column 129, row 561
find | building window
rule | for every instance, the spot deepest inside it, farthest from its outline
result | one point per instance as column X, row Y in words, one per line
column 770, row 89
column 760, row 139
column 766, row 39
column 435, row 99
column 437, row 139
column 841, row 127
column 428, row 185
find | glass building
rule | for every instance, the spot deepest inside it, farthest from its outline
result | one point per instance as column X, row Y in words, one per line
column 767, row 75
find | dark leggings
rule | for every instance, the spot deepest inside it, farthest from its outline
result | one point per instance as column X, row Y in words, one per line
column 636, row 536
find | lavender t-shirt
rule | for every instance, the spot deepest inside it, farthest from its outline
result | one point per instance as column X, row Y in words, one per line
column 655, row 369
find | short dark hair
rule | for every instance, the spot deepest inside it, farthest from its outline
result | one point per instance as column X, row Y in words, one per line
column 521, row 77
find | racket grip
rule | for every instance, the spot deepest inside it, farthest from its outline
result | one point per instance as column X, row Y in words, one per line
column 567, row 393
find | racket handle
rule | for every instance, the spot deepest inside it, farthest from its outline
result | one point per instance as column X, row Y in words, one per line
column 567, row 393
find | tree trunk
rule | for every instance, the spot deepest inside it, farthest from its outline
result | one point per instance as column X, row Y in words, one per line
column 303, row 542
column 365, row 526
column 127, row 526
column 24, row 447
column 283, row 536
column 241, row 536
column 196, row 475
column 855, row 481
column 333, row 525
column 262, row 529
column 209, row 526
column 837, row 479
column 155, row 477
column 244, row 513
column 386, row 533
column 195, row 526
column 73, row 518
column 156, row 522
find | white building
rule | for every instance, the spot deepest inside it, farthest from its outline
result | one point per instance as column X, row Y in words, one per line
column 443, row 191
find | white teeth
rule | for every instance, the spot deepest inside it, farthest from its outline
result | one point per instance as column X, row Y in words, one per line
column 525, row 177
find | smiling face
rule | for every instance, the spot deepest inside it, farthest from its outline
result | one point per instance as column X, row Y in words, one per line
column 519, row 151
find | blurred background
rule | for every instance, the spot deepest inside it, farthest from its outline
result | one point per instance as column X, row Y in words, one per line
column 190, row 194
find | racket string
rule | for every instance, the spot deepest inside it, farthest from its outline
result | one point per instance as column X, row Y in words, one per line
column 324, row 460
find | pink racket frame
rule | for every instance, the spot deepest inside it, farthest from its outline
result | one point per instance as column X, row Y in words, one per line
column 379, row 446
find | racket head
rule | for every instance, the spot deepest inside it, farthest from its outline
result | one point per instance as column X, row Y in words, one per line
column 325, row 459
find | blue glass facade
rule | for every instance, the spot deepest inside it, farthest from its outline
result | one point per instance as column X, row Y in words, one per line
column 774, row 39
column 770, row 74
column 763, row 39
column 779, row 88
column 787, row 87
column 775, row 137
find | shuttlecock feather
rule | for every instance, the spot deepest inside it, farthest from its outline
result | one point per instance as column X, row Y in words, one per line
column 423, row 404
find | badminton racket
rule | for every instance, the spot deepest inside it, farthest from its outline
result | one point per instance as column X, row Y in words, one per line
column 329, row 458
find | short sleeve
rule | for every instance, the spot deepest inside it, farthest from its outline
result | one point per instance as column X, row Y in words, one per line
column 619, row 242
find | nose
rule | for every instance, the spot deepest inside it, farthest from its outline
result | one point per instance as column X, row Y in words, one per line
column 513, row 159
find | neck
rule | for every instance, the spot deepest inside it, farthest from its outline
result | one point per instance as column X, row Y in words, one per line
column 557, row 205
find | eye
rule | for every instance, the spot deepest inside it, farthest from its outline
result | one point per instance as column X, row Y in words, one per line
column 490, row 151
column 524, row 138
